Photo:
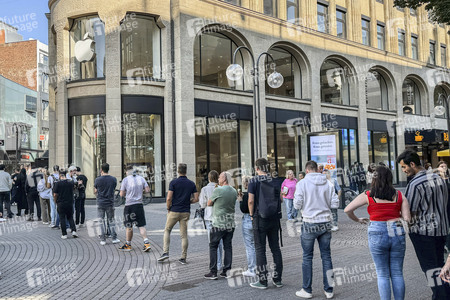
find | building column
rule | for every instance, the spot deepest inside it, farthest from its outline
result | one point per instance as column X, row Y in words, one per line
column 61, row 105
column 408, row 44
column 424, row 50
column 355, row 15
column 400, row 130
column 332, row 17
column 316, row 101
column 438, row 45
column 282, row 10
column 51, row 95
column 373, row 24
column 349, row 21
column 363, row 142
column 113, row 95
column 308, row 13
column 391, row 30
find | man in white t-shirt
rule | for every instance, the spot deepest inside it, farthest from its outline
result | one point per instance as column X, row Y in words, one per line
column 132, row 189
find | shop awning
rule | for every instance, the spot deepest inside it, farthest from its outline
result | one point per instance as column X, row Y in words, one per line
column 443, row 153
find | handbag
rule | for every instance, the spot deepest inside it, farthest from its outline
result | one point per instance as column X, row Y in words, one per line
column 200, row 214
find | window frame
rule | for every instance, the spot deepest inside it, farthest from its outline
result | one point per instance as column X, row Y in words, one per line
column 274, row 12
column 383, row 36
column 324, row 15
column 432, row 57
column 367, row 29
column 443, row 55
column 343, row 21
column 414, row 45
column 401, row 41
column 290, row 4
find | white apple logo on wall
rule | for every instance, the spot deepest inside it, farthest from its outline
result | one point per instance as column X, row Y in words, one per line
column 85, row 48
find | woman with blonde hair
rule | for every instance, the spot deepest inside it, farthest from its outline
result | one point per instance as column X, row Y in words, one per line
column 287, row 192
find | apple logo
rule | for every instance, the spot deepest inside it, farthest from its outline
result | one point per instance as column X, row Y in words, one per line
column 85, row 48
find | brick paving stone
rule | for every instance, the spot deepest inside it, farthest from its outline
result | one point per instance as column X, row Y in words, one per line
column 101, row 271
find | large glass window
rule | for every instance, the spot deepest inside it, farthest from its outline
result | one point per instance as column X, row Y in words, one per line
column 286, row 65
column 142, row 148
column 380, row 37
column 141, row 47
column 341, row 24
column 89, row 147
column 87, row 48
column 45, row 110
column 292, row 10
column 411, row 98
column 401, row 43
column 376, row 91
column 213, row 53
column 415, row 47
column 322, row 18
column 365, row 32
column 432, row 58
column 270, row 7
column 217, row 144
column 382, row 150
column 335, row 87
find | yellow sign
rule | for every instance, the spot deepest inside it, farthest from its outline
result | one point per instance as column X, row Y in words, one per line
column 446, row 136
column 383, row 139
column 418, row 137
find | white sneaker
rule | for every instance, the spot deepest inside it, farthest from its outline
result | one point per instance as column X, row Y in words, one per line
column 51, row 225
column 64, row 237
column 303, row 294
column 116, row 241
column 103, row 243
column 81, row 225
column 45, row 223
column 74, row 234
column 334, row 228
column 77, row 226
column 248, row 273
column 329, row 295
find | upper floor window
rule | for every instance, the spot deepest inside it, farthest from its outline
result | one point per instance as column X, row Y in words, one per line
column 376, row 91
column 413, row 12
column 401, row 43
column 213, row 53
column 411, row 98
column 414, row 47
column 270, row 7
column 443, row 55
column 288, row 66
column 335, row 88
column 341, row 24
column 380, row 1
column 87, row 48
column 380, row 37
column 322, row 17
column 45, row 109
column 440, row 94
column 292, row 10
column 432, row 58
column 365, row 32
column 235, row 2
column 141, row 48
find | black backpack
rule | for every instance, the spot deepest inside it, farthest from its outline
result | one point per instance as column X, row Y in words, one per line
column 269, row 201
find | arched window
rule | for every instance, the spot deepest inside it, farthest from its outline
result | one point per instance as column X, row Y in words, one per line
column 87, row 48
column 335, row 88
column 376, row 91
column 213, row 53
column 411, row 98
column 440, row 90
column 140, row 41
column 286, row 65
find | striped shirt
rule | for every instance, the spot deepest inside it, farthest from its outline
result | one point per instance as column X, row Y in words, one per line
column 428, row 197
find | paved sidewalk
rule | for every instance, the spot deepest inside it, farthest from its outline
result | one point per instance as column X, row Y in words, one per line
column 37, row 264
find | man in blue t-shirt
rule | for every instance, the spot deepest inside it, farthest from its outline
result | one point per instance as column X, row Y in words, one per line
column 179, row 199
column 105, row 185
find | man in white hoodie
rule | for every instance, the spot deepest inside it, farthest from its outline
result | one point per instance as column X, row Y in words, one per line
column 315, row 197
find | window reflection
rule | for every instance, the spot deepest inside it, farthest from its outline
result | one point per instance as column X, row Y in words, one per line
column 89, row 147
column 286, row 65
column 142, row 148
column 411, row 98
column 377, row 92
column 334, row 85
column 85, row 32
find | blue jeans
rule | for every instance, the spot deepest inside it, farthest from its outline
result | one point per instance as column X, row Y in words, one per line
column 249, row 241
column 311, row 232
column 290, row 210
column 219, row 249
column 53, row 213
column 387, row 246
column 109, row 212
column 334, row 212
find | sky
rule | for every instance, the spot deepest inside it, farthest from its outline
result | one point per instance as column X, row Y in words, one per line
column 28, row 16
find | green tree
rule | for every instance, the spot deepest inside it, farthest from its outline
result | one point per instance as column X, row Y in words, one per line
column 439, row 10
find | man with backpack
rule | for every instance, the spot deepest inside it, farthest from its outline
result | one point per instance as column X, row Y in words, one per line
column 315, row 197
column 264, row 204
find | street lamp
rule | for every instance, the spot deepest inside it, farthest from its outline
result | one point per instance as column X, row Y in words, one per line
column 274, row 80
column 443, row 108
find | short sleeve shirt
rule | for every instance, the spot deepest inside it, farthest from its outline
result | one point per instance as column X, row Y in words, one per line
column 182, row 189
column 224, row 199
column 105, row 186
column 134, row 187
column 64, row 189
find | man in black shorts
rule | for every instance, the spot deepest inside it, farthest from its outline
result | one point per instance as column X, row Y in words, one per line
column 132, row 188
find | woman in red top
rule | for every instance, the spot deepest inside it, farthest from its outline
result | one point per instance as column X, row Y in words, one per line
column 386, row 207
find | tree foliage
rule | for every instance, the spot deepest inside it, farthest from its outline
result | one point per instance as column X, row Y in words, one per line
column 439, row 10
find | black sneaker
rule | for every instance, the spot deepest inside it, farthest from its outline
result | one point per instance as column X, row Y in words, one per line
column 210, row 276
column 223, row 274
column 164, row 257
column 182, row 261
